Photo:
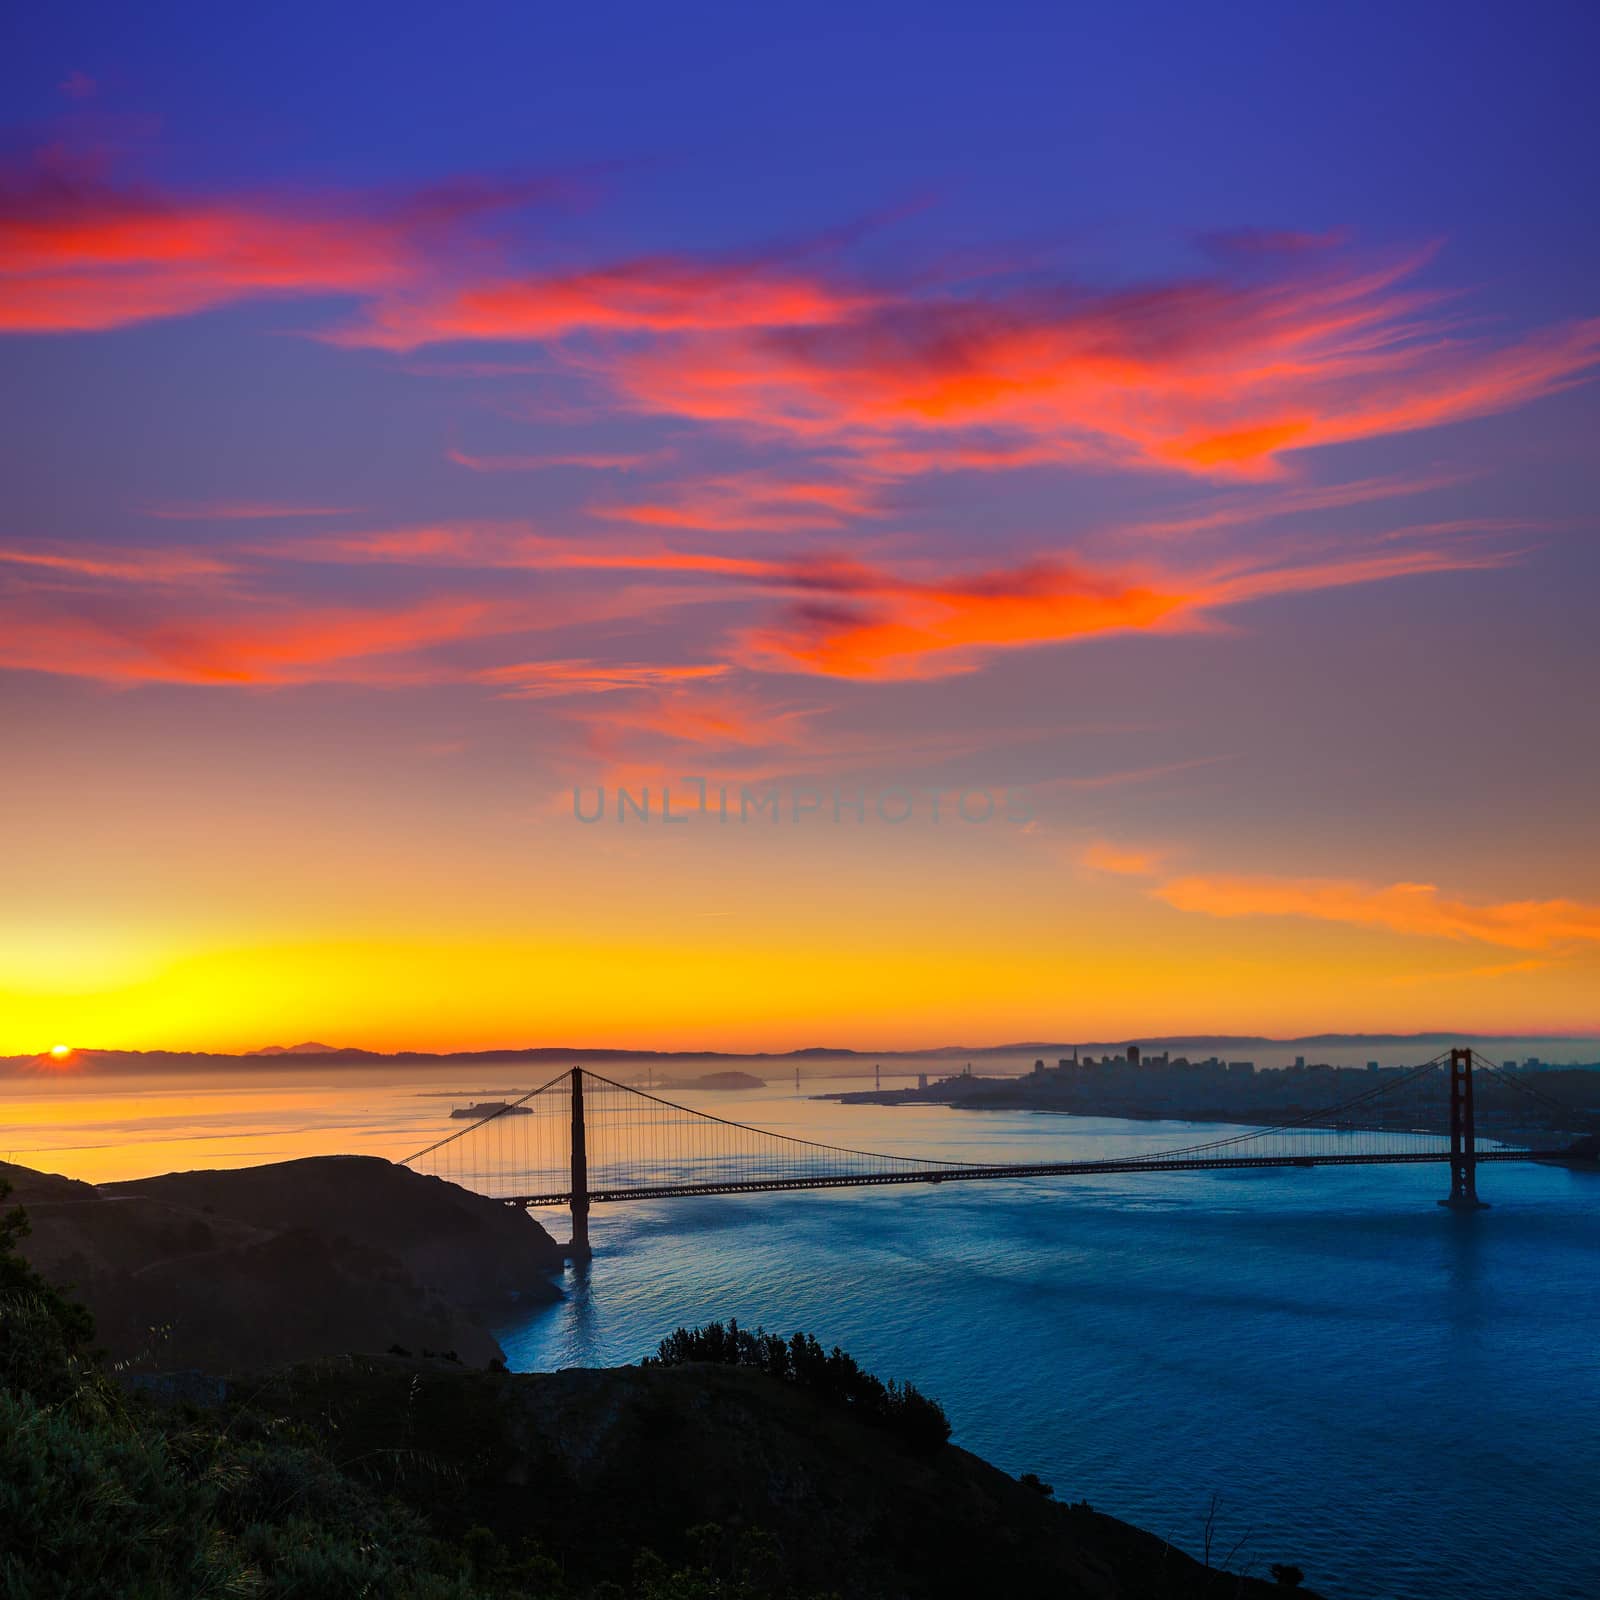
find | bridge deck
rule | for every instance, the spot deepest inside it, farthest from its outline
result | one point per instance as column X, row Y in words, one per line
column 1049, row 1169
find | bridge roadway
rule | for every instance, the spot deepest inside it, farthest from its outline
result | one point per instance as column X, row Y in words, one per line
column 1045, row 1169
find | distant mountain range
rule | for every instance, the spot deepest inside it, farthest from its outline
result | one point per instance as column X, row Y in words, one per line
column 313, row 1052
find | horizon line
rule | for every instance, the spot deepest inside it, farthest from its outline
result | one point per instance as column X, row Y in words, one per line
column 88, row 1054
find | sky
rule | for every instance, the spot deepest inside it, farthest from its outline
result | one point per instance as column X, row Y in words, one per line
column 1085, row 515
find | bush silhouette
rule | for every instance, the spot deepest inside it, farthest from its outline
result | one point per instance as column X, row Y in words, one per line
column 832, row 1376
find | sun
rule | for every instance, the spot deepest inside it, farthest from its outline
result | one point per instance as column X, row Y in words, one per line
column 61, row 1051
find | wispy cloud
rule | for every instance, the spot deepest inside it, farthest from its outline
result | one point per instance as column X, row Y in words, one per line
column 1419, row 909
column 539, row 680
column 753, row 503
column 252, row 646
column 659, row 294
column 1216, row 377
column 857, row 621
column 81, row 251
column 1217, row 374
column 1226, row 513
column 1104, row 856
column 1496, row 969
column 112, row 564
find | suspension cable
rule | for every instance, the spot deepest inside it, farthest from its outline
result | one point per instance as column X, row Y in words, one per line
column 788, row 1138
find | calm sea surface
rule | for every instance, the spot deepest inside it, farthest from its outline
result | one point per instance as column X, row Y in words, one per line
column 1401, row 1401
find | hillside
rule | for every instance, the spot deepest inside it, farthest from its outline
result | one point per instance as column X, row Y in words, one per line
column 263, row 1265
column 593, row 1466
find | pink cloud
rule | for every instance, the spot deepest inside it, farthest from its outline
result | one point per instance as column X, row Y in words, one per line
column 79, row 252
column 661, row 295
column 538, row 680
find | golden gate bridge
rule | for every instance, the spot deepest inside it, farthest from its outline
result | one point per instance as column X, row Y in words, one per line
column 582, row 1140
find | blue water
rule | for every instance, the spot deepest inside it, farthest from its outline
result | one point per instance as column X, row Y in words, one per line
column 1400, row 1400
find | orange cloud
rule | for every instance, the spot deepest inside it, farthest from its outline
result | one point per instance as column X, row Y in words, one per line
column 1104, row 856
column 859, row 623
column 1407, row 908
column 1215, row 377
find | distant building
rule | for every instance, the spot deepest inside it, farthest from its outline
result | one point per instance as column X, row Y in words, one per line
column 1372, row 1066
column 1510, row 1066
column 922, row 1080
column 1300, row 1062
column 1243, row 1069
column 1133, row 1055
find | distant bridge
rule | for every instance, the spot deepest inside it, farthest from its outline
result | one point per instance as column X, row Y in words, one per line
column 582, row 1140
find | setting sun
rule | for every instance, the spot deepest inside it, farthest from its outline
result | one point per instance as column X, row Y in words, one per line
column 61, row 1051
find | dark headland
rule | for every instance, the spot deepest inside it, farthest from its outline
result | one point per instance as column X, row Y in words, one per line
column 255, row 1266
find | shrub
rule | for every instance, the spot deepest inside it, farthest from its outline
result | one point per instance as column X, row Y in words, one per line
column 832, row 1376
column 44, row 1337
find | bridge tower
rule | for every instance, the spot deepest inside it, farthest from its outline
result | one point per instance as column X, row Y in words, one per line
column 579, row 1249
column 1463, row 1194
